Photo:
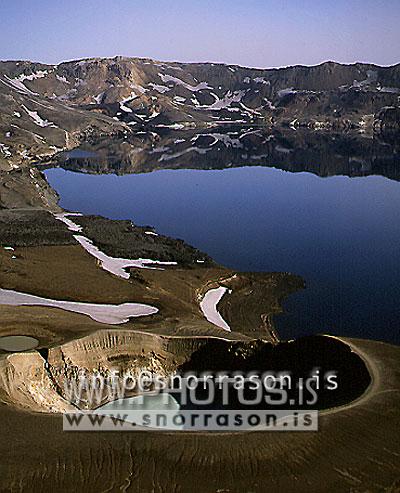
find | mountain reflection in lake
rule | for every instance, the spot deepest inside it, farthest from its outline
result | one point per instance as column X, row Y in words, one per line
column 324, row 154
column 342, row 235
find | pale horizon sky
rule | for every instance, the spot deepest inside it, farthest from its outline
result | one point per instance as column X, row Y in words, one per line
column 256, row 33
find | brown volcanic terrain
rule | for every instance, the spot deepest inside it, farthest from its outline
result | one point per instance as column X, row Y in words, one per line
column 48, row 109
column 355, row 450
column 69, row 273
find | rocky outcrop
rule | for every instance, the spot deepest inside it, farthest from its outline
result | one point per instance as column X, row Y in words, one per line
column 26, row 188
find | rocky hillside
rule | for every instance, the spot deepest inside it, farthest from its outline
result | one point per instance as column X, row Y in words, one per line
column 45, row 108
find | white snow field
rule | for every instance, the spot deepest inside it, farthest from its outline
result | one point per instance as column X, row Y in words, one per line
column 209, row 304
column 105, row 314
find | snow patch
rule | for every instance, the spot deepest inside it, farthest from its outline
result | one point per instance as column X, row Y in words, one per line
column 159, row 88
column 62, row 79
column 105, row 314
column 99, row 98
column 127, row 100
column 38, row 120
column 372, row 76
column 138, row 88
column 262, row 80
column 169, row 78
column 269, row 104
column 250, row 110
column 18, row 85
column 209, row 304
column 173, row 126
column 63, row 217
column 394, row 90
column 179, row 99
column 40, row 74
column 168, row 157
column 114, row 265
column 5, row 150
column 226, row 139
column 285, row 92
column 154, row 113
column 229, row 98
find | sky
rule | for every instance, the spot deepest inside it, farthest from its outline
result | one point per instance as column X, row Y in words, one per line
column 257, row 33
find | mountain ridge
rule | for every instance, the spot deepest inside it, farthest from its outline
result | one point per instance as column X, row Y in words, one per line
column 48, row 108
column 156, row 60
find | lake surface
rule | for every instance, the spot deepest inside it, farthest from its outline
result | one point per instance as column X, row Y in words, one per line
column 341, row 234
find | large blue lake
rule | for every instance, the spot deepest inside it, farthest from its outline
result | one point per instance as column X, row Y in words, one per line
column 341, row 234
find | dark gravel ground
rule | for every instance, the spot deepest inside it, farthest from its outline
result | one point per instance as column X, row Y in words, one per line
column 124, row 239
column 25, row 228
column 35, row 227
